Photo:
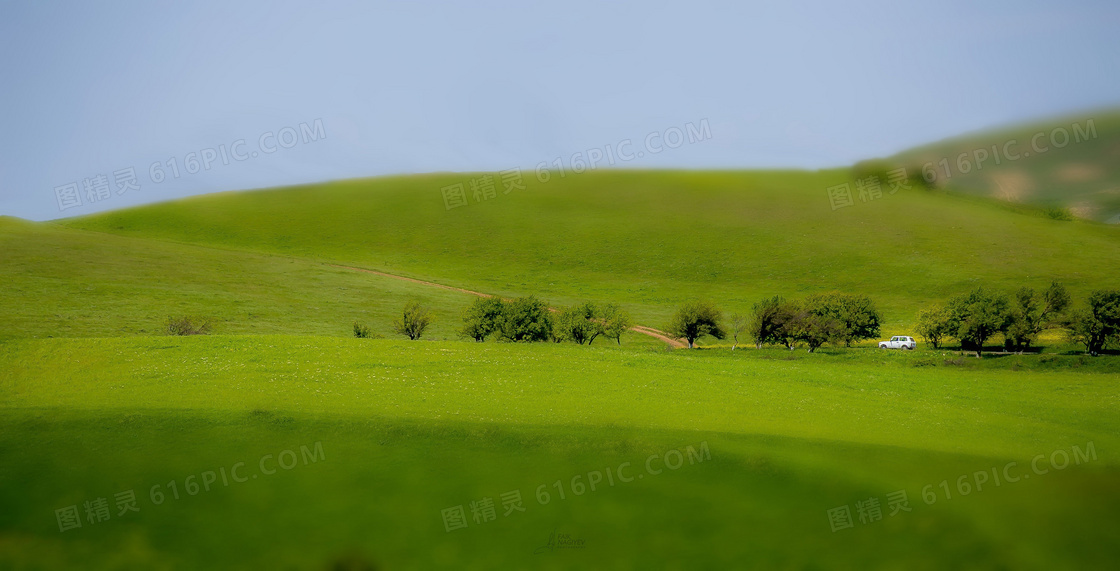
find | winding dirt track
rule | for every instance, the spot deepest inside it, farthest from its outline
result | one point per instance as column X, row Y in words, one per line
column 660, row 335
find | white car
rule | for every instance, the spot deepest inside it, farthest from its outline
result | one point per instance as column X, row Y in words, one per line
column 898, row 342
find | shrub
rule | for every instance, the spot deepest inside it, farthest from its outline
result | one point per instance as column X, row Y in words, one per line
column 362, row 331
column 1058, row 213
column 413, row 321
column 187, row 326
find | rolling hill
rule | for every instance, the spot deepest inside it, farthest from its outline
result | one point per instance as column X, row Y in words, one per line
column 96, row 401
column 1068, row 163
column 648, row 240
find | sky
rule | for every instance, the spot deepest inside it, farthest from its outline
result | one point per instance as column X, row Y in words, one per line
column 124, row 103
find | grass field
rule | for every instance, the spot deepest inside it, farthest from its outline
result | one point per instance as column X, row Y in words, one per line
column 409, row 429
column 95, row 400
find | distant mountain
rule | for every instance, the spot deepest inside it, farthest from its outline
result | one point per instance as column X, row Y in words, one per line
column 1066, row 165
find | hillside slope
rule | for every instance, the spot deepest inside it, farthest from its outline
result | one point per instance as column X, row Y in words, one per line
column 1069, row 162
column 649, row 239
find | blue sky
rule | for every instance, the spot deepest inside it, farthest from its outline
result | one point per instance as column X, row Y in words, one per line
column 404, row 87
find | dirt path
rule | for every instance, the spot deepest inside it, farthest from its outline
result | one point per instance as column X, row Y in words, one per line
column 661, row 335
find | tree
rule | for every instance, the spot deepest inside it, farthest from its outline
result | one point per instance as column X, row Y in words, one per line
column 977, row 316
column 615, row 322
column 815, row 324
column 1098, row 325
column 738, row 325
column 855, row 315
column 1030, row 315
column 414, row 321
column 579, row 323
column 696, row 319
column 934, row 325
column 482, row 318
column 525, row 319
column 770, row 322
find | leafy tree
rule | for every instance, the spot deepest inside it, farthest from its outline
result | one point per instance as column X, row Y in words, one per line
column 413, row 322
column 1030, row 314
column 482, row 318
column 1098, row 325
column 770, row 322
column 525, row 319
column 935, row 324
column 855, row 314
column 615, row 322
column 815, row 323
column 579, row 323
column 977, row 316
column 696, row 319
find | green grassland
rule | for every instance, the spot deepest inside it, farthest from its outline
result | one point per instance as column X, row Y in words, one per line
column 94, row 400
column 1063, row 168
column 411, row 428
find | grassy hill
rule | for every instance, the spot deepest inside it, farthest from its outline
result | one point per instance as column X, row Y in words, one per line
column 649, row 240
column 1069, row 162
column 409, row 429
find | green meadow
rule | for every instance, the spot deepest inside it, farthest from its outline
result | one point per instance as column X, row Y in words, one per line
column 95, row 400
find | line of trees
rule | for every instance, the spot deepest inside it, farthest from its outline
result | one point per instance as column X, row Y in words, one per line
column 831, row 317
column 528, row 319
column 972, row 319
column 976, row 317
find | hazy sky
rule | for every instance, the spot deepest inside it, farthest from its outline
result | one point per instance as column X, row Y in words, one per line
column 403, row 87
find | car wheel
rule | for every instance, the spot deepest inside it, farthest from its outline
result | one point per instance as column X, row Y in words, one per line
column 908, row 348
